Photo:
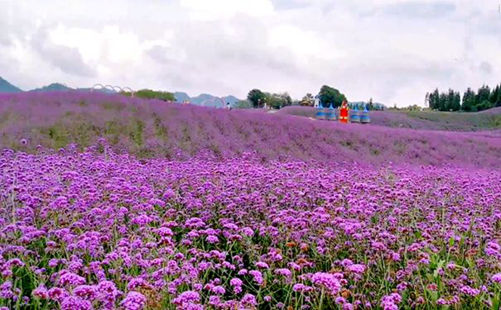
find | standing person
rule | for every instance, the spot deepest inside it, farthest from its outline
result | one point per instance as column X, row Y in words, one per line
column 343, row 112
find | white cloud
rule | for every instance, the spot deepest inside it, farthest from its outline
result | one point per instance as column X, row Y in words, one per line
column 217, row 9
column 391, row 50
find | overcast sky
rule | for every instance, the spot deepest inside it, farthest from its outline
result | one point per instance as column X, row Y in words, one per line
column 391, row 50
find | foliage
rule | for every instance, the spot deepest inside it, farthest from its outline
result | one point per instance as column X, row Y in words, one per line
column 414, row 107
column 495, row 97
column 308, row 100
column 277, row 101
column 257, row 97
column 484, row 99
column 469, row 104
column 329, row 95
column 450, row 101
column 370, row 105
column 243, row 104
column 152, row 94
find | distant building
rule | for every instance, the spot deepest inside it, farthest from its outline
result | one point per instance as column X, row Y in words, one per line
column 317, row 101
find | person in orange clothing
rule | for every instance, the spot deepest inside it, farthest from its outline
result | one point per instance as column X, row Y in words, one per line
column 343, row 112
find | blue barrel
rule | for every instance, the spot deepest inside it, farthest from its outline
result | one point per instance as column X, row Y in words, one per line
column 331, row 114
column 320, row 112
column 365, row 118
column 355, row 115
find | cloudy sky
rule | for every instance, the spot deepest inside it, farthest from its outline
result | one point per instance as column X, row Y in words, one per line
column 391, row 50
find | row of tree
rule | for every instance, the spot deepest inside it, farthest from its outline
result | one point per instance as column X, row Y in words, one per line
column 152, row 94
column 327, row 95
column 259, row 99
column 483, row 99
column 450, row 101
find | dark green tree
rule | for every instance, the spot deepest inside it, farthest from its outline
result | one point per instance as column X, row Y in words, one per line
column 330, row 95
column 436, row 95
column 494, row 95
column 498, row 101
column 468, row 104
column 434, row 100
column 482, row 99
column 257, row 97
column 457, row 102
column 442, row 102
column 453, row 101
column 484, row 105
column 450, row 100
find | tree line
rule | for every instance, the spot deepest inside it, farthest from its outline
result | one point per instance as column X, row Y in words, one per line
column 259, row 99
column 151, row 94
column 472, row 101
column 327, row 96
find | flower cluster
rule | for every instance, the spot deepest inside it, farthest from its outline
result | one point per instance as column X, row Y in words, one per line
column 93, row 230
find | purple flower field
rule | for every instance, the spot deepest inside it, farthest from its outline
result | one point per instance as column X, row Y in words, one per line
column 108, row 202
column 85, row 230
column 179, row 132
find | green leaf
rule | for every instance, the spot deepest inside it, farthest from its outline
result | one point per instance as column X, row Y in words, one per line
column 440, row 264
column 433, row 295
column 496, row 302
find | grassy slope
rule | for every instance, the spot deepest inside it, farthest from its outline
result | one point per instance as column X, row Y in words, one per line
column 490, row 119
column 154, row 128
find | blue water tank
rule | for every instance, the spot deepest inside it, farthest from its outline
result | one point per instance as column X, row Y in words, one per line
column 320, row 112
column 365, row 118
column 355, row 115
column 331, row 114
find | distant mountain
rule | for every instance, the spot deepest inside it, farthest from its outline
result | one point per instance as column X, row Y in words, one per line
column 62, row 87
column 206, row 100
column 53, row 87
column 6, row 87
column 203, row 98
column 231, row 99
column 181, row 97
